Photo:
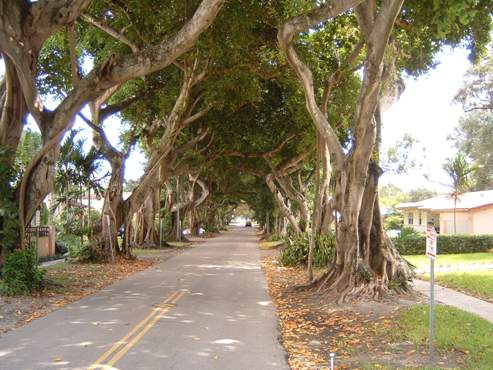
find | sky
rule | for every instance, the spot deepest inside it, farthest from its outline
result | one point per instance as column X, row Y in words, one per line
column 425, row 111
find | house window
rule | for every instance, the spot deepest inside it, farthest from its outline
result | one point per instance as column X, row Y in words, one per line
column 420, row 220
column 410, row 218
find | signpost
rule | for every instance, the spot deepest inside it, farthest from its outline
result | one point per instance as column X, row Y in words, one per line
column 431, row 252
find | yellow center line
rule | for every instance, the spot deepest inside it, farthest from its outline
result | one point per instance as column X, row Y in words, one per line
column 117, row 345
column 144, row 331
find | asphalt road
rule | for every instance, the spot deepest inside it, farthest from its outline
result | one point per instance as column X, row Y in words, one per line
column 207, row 308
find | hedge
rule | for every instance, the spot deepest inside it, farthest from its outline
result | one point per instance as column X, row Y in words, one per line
column 447, row 244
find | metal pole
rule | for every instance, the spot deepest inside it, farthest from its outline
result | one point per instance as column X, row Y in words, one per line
column 332, row 360
column 432, row 308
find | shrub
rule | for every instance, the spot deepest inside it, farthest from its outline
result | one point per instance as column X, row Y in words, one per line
column 211, row 229
column 447, row 244
column 21, row 274
column 76, row 250
column 81, row 252
column 297, row 246
column 409, row 231
column 274, row 237
column 8, row 209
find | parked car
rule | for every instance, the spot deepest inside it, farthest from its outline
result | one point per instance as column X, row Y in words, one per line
column 248, row 224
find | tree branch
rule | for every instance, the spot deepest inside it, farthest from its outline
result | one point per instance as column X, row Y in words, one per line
column 112, row 32
column 99, row 130
column 335, row 78
column 48, row 16
column 285, row 36
column 281, row 204
column 187, row 121
column 73, row 54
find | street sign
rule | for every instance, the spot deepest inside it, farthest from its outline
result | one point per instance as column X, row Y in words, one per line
column 431, row 242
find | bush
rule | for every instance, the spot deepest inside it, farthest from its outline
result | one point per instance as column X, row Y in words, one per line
column 409, row 231
column 297, row 246
column 8, row 208
column 447, row 244
column 211, row 229
column 274, row 237
column 76, row 250
column 21, row 274
column 68, row 222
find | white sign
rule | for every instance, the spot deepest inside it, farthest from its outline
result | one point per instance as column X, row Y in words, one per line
column 431, row 242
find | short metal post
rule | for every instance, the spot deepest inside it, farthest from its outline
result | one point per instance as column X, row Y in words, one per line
column 332, row 360
column 432, row 308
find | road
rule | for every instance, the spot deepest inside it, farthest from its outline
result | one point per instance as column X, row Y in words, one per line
column 207, row 308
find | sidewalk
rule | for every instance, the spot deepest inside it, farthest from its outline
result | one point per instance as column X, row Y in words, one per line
column 454, row 268
column 456, row 299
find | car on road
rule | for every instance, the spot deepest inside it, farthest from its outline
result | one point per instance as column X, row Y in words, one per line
column 248, row 224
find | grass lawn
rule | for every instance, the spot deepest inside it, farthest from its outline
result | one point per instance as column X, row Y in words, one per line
column 178, row 244
column 57, row 266
column 456, row 331
column 156, row 252
column 148, row 252
column 446, row 260
column 271, row 245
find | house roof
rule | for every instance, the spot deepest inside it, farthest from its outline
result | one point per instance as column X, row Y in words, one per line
column 465, row 201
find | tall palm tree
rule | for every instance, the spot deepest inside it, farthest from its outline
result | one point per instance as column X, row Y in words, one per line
column 459, row 171
column 77, row 172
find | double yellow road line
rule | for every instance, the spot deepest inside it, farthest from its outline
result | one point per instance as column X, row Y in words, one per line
column 120, row 348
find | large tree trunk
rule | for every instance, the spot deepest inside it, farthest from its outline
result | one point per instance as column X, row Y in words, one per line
column 151, row 209
column 366, row 262
column 349, row 275
column 194, row 223
column 112, row 207
column 326, row 211
column 317, row 209
column 13, row 111
column 143, row 232
column 38, row 183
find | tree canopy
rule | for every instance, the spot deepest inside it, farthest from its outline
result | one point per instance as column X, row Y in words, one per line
column 273, row 104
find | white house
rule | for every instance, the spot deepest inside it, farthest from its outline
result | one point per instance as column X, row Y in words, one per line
column 473, row 213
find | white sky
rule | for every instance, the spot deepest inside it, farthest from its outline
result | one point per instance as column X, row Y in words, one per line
column 425, row 111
